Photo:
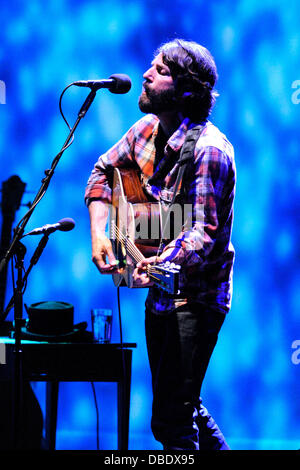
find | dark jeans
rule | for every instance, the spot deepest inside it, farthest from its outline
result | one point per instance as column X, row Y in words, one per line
column 179, row 349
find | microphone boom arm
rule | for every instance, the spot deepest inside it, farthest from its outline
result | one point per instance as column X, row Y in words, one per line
column 19, row 231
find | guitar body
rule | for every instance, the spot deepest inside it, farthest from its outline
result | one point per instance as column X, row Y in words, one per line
column 135, row 229
column 135, row 217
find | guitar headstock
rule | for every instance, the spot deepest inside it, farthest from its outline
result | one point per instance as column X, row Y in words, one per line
column 166, row 276
column 168, row 266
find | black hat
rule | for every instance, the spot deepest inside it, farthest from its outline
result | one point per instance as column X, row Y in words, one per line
column 51, row 321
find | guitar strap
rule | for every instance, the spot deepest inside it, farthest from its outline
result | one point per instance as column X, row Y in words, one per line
column 186, row 156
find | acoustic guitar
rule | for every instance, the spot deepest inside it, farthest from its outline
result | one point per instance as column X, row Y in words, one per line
column 135, row 228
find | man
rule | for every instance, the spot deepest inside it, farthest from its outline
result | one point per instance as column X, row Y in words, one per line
column 181, row 330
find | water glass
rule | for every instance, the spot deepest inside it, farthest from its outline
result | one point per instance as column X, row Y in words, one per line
column 101, row 324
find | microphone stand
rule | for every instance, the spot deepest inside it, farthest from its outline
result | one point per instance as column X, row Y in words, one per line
column 35, row 257
column 18, row 250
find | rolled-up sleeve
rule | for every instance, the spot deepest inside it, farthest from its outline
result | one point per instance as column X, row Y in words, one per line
column 121, row 154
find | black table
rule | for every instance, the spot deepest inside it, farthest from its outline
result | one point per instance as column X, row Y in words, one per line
column 73, row 362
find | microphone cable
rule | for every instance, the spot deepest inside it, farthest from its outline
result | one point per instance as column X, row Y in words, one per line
column 121, row 333
column 32, row 207
column 97, row 415
column 64, row 118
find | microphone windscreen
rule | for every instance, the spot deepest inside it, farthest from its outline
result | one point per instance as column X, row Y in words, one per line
column 122, row 83
column 66, row 224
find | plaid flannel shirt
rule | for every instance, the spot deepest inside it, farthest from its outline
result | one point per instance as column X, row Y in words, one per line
column 205, row 253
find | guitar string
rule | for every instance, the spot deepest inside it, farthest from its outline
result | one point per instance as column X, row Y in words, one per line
column 131, row 248
column 151, row 270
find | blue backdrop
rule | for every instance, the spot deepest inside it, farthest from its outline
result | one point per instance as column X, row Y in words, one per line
column 252, row 386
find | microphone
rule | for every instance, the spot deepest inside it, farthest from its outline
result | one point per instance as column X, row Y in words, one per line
column 64, row 225
column 117, row 83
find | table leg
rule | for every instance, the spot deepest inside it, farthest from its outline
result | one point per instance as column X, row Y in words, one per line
column 124, row 403
column 51, row 413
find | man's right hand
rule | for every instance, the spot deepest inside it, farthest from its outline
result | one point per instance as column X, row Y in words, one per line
column 103, row 256
column 102, row 253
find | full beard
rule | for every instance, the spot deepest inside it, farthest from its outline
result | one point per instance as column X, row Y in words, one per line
column 157, row 102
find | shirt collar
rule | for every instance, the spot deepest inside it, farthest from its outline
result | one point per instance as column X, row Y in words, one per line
column 176, row 140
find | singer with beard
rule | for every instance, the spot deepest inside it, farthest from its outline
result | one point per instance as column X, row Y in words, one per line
column 181, row 331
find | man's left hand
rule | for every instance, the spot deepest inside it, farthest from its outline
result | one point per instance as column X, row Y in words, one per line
column 140, row 273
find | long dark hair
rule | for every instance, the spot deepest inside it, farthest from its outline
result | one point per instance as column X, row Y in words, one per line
column 194, row 72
